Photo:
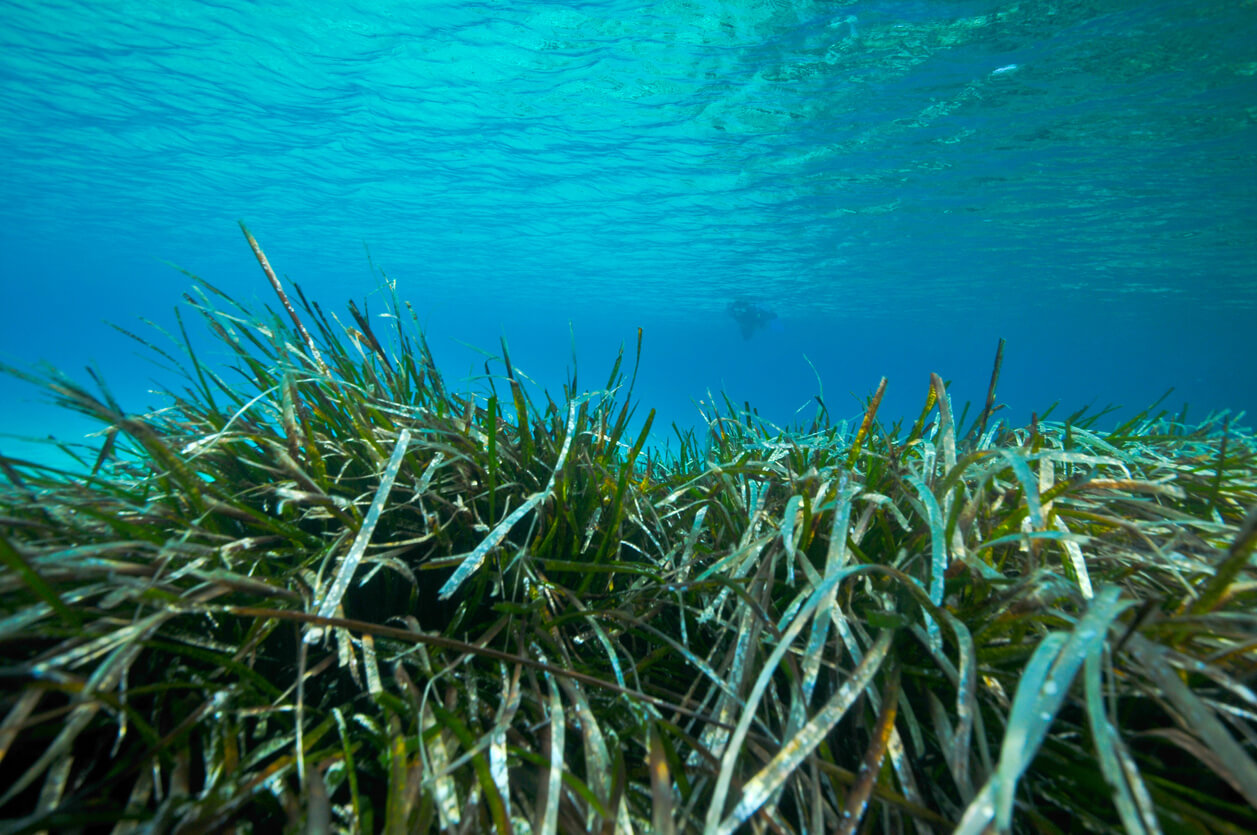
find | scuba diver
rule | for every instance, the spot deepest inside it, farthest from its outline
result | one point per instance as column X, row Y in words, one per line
column 750, row 316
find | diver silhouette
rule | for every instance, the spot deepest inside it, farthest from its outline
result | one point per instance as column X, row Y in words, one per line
column 750, row 316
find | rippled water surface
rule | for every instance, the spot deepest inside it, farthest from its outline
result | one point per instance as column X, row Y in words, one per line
column 901, row 183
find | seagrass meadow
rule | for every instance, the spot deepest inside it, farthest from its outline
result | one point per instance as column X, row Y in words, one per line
column 320, row 592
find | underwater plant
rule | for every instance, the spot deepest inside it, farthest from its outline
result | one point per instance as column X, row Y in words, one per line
column 321, row 591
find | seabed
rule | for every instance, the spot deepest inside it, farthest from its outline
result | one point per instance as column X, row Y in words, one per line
column 320, row 592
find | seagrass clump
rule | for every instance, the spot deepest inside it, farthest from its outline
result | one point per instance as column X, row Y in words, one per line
column 323, row 591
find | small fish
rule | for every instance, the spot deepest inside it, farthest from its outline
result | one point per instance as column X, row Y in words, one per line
column 750, row 316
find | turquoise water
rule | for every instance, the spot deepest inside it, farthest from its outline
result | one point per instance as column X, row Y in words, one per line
column 901, row 183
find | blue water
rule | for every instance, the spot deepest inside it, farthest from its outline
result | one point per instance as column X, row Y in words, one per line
column 902, row 183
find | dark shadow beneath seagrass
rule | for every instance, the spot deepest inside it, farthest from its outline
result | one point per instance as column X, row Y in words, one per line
column 321, row 592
